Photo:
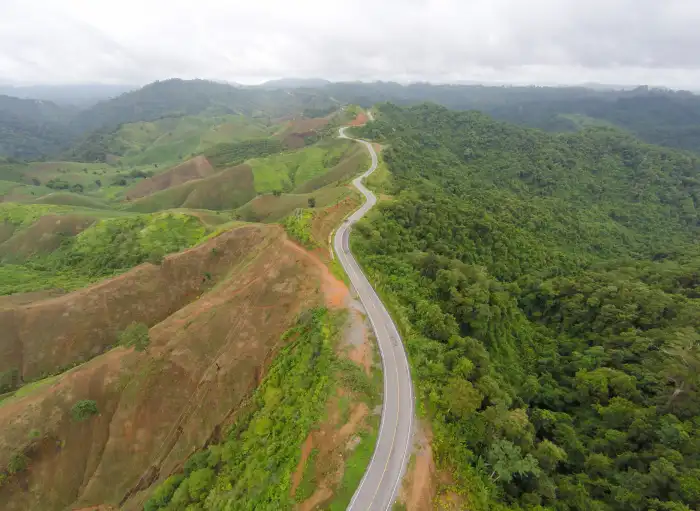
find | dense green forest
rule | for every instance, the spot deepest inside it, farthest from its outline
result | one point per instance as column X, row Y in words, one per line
column 547, row 286
column 658, row 116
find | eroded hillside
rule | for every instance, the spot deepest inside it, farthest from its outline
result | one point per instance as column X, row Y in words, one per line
column 217, row 313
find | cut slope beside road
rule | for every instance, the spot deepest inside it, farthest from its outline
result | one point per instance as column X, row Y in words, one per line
column 378, row 487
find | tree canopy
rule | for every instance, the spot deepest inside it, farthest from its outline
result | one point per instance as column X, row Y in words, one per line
column 548, row 289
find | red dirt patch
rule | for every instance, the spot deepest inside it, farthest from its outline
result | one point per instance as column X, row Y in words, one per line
column 359, row 120
column 85, row 322
column 334, row 290
column 327, row 219
column 418, row 491
column 196, row 168
column 299, row 472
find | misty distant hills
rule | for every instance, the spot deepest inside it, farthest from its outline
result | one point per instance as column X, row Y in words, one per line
column 32, row 128
column 83, row 95
column 295, row 83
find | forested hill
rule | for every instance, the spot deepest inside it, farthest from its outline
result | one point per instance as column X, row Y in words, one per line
column 659, row 116
column 550, row 293
column 29, row 128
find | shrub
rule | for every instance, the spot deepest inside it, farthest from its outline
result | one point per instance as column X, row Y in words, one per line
column 84, row 410
column 136, row 335
column 18, row 463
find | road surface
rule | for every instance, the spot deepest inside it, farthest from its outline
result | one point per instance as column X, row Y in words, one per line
column 379, row 486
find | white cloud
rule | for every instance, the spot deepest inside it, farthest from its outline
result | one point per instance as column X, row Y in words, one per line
column 536, row 41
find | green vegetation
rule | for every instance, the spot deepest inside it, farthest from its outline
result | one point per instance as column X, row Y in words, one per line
column 252, row 468
column 659, row 116
column 106, row 248
column 546, row 286
column 9, row 380
column 285, row 172
column 355, row 467
column 233, row 153
column 83, row 410
column 18, row 463
column 136, row 336
column 298, row 226
column 307, row 486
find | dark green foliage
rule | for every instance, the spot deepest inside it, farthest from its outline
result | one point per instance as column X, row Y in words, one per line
column 136, row 336
column 665, row 117
column 229, row 154
column 9, row 380
column 252, row 468
column 29, row 128
column 18, row 463
column 58, row 184
column 312, row 202
column 84, row 410
column 548, row 290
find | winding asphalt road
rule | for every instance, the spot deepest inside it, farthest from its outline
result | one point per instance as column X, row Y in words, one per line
column 378, row 488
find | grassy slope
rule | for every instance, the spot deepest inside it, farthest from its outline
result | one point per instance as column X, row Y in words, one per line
column 175, row 139
column 58, row 246
column 286, row 171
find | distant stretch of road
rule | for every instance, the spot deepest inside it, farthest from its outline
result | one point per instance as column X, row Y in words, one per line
column 379, row 486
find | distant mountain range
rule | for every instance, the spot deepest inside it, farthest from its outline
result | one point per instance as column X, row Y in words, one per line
column 56, row 118
column 82, row 95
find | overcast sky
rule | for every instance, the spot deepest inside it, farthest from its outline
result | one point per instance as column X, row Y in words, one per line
column 654, row 42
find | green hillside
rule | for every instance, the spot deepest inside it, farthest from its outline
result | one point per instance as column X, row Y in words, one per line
column 87, row 248
column 169, row 140
column 547, row 289
column 327, row 163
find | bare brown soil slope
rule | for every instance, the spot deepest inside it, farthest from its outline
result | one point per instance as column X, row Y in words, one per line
column 47, row 335
column 298, row 129
column 196, row 168
column 158, row 406
column 227, row 189
column 43, row 236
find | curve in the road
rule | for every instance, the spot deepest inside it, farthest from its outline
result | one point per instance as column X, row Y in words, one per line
column 377, row 490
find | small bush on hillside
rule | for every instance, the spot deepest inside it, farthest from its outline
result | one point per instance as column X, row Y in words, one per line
column 298, row 226
column 156, row 258
column 18, row 463
column 312, row 202
column 136, row 335
column 83, row 410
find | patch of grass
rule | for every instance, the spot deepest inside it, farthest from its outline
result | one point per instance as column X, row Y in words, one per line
column 338, row 271
column 352, row 377
column 228, row 189
column 288, row 170
column 308, row 481
column 344, row 409
column 355, row 467
column 381, row 180
column 108, row 247
column 298, row 226
column 271, row 208
column 135, row 335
